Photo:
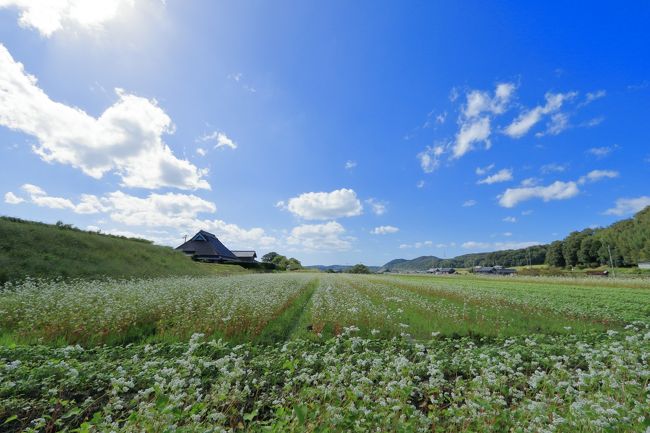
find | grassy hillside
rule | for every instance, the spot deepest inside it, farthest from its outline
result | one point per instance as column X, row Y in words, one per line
column 31, row 249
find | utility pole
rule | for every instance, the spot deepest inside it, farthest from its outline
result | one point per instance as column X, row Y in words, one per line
column 184, row 238
column 611, row 262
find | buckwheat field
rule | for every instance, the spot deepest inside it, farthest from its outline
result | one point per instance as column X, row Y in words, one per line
column 324, row 353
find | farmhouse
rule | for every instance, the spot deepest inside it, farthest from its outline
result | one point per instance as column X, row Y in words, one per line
column 494, row 270
column 441, row 271
column 205, row 247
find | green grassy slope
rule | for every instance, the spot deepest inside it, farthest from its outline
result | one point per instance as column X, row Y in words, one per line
column 30, row 249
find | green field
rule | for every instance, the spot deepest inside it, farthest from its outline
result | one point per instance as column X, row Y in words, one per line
column 323, row 352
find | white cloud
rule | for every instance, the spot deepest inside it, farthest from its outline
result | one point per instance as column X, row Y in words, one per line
column 177, row 212
column 530, row 181
column 201, row 151
column 596, row 175
column 440, row 118
column 477, row 112
column 11, row 198
column 125, row 139
column 502, row 175
column 349, row 164
column 507, row 234
column 593, row 122
column 470, row 203
column 479, row 102
column 558, row 123
column 320, row 237
column 89, row 204
column 553, row 168
column 326, row 205
column 627, row 206
column 483, row 170
column 510, row 219
column 384, row 230
column 417, row 245
column 603, row 151
column 156, row 210
column 471, row 132
column 420, row 184
column 558, row 190
column 49, row 16
column 592, row 96
column 221, row 139
column 526, row 120
column 430, row 158
column 497, row 246
column 378, row 207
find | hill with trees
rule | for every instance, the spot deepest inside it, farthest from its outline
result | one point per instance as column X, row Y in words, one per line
column 627, row 240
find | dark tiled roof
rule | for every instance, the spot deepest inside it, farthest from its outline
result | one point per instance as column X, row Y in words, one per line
column 206, row 244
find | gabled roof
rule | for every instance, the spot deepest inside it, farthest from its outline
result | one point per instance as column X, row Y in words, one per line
column 246, row 254
column 206, row 244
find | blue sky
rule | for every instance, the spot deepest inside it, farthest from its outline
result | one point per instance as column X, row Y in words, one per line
column 335, row 132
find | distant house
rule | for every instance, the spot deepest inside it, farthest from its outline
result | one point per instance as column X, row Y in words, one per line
column 205, row 247
column 441, row 271
column 494, row 270
column 245, row 256
column 644, row 265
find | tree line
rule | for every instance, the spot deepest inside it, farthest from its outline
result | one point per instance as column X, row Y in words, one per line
column 624, row 243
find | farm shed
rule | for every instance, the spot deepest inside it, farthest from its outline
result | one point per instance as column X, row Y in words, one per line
column 206, row 247
column 245, row 256
column 644, row 265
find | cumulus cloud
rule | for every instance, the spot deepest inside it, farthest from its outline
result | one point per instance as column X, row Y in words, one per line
column 479, row 102
column 377, row 207
column 11, row 198
column 220, row 139
column 510, row 219
column 474, row 131
column 89, row 204
column 476, row 115
column 596, row 175
column 627, row 206
column 526, row 120
column 384, row 230
column 430, row 158
column 175, row 213
column 420, row 184
column 320, row 237
column 503, row 175
column 125, row 139
column 558, row 190
column 325, row 205
column 50, row 16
